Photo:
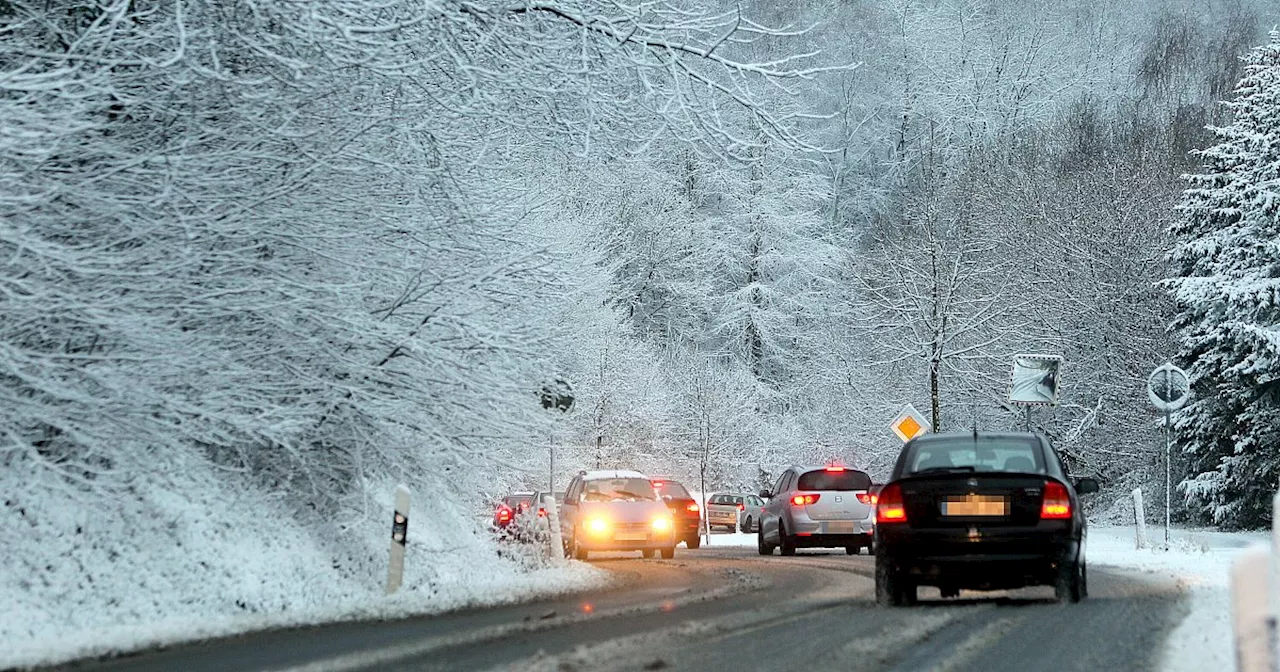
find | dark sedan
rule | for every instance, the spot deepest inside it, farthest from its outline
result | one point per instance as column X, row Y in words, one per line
column 980, row 511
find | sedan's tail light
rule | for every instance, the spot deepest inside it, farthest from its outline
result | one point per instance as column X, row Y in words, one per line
column 866, row 498
column 542, row 513
column 741, row 506
column 692, row 508
column 504, row 514
column 804, row 500
column 1057, row 502
column 889, row 505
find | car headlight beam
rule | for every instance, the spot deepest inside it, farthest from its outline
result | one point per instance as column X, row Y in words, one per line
column 597, row 526
column 661, row 524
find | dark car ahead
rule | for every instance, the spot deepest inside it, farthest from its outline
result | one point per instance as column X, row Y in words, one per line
column 684, row 511
column 980, row 511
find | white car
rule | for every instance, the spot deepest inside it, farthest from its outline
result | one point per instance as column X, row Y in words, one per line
column 615, row 510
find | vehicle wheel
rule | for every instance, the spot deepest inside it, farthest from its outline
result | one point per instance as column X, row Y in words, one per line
column 647, row 553
column 947, row 592
column 763, row 547
column 668, row 552
column 746, row 525
column 579, row 553
column 693, row 542
column 892, row 589
column 785, row 544
column 1084, row 580
column 1068, row 586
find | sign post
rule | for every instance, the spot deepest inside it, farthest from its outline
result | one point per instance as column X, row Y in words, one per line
column 1034, row 381
column 399, row 535
column 557, row 395
column 909, row 424
column 1168, row 388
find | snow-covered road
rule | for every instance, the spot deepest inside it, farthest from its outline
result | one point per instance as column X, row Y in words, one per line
column 725, row 607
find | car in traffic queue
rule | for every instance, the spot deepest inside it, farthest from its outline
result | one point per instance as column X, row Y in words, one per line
column 532, row 524
column 734, row 511
column 685, row 510
column 980, row 511
column 615, row 510
column 817, row 507
column 509, row 508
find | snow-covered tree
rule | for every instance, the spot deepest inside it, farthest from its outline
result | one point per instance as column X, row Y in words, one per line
column 1227, row 288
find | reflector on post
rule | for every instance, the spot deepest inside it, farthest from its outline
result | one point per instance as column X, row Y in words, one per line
column 399, row 536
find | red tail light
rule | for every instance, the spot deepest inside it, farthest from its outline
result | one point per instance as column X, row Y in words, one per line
column 889, row 506
column 835, row 468
column 866, row 498
column 804, row 500
column 658, row 484
column 504, row 514
column 542, row 513
column 1057, row 502
column 741, row 506
column 693, row 508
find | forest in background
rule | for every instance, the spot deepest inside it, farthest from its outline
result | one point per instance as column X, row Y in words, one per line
column 309, row 249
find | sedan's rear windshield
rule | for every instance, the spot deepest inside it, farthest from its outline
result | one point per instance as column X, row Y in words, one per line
column 1013, row 455
column 822, row 479
column 726, row 499
column 674, row 491
column 618, row 489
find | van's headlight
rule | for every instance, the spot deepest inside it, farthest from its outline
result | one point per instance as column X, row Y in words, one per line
column 661, row 524
column 597, row 526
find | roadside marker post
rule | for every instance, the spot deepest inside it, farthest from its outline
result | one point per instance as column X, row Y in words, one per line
column 1250, row 614
column 399, row 536
column 1139, row 520
column 553, row 522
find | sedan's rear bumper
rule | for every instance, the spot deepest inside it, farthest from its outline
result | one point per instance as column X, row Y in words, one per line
column 983, row 559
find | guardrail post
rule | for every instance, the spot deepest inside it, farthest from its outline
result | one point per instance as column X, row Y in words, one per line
column 399, row 536
column 1250, row 613
column 1140, row 519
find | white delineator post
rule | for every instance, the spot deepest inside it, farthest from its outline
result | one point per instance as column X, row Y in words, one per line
column 553, row 522
column 1250, row 613
column 1274, row 588
column 1139, row 519
column 399, row 535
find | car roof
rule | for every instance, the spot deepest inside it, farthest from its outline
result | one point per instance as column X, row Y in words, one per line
column 951, row 436
column 611, row 473
column 821, row 467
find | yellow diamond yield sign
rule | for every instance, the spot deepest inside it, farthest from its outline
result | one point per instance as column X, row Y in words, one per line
column 909, row 424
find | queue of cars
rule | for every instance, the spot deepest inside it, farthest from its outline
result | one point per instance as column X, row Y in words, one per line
column 960, row 511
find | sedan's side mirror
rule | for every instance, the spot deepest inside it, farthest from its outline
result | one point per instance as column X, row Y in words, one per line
column 1086, row 485
column 765, row 494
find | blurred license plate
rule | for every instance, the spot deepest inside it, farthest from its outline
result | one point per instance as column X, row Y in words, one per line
column 975, row 505
column 839, row 526
column 630, row 536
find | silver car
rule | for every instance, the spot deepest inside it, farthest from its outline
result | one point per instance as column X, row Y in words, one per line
column 615, row 510
column 818, row 507
column 734, row 511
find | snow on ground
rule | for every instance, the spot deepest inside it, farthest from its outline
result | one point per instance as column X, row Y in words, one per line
column 1201, row 561
column 162, row 563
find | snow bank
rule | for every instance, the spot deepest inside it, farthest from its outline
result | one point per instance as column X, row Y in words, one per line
column 154, row 564
column 1201, row 561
